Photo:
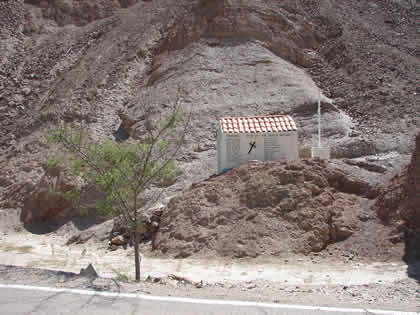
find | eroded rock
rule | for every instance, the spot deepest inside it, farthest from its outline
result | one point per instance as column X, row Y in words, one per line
column 51, row 197
column 119, row 240
column 262, row 208
column 399, row 203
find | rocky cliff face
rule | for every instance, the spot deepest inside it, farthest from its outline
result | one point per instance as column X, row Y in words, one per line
column 272, row 209
column 64, row 12
column 82, row 61
column 52, row 197
column 399, row 204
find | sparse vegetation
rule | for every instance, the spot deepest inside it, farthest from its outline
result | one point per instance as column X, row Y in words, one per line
column 53, row 163
column 47, row 262
column 125, row 172
column 20, row 249
column 120, row 276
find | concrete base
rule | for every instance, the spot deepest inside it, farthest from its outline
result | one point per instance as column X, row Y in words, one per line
column 322, row 153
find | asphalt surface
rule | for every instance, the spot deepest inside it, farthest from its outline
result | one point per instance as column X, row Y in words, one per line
column 15, row 299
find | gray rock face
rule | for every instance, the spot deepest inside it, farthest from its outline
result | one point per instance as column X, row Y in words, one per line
column 88, row 272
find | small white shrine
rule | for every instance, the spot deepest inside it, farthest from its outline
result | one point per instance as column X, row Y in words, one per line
column 264, row 138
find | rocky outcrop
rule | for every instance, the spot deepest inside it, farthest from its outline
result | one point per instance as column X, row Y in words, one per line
column 80, row 61
column 115, row 231
column 53, row 196
column 399, row 203
column 273, row 208
column 413, row 187
column 149, row 221
column 78, row 12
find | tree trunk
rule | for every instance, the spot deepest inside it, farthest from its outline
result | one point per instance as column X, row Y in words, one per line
column 137, row 255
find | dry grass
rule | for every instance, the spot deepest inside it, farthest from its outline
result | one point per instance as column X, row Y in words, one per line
column 47, row 263
column 120, row 276
column 20, row 249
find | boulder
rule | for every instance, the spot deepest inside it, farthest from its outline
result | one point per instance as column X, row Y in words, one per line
column 119, row 240
column 400, row 198
column 50, row 197
column 341, row 232
column 88, row 272
column 263, row 208
column 150, row 219
column 399, row 203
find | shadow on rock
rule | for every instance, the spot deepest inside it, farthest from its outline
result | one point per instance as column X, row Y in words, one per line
column 79, row 222
column 412, row 256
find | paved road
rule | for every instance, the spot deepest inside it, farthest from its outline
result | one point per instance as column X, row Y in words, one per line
column 17, row 299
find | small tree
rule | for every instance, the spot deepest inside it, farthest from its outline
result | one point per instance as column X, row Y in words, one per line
column 124, row 172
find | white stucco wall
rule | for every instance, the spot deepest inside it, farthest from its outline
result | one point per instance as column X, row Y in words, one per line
column 321, row 152
column 233, row 149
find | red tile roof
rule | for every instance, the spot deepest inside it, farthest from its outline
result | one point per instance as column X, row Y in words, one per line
column 257, row 124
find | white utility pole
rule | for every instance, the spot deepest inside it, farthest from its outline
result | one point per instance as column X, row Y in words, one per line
column 319, row 121
column 319, row 151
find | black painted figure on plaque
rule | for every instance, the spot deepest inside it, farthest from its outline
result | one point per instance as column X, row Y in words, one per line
column 252, row 146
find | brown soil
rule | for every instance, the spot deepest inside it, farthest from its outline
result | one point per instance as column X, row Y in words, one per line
column 274, row 209
column 82, row 61
column 398, row 205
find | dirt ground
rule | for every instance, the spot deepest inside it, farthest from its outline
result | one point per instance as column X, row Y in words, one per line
column 44, row 259
column 277, row 209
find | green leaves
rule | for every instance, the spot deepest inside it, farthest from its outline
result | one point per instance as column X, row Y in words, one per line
column 121, row 171
column 74, row 194
column 171, row 121
column 106, row 207
column 126, row 173
column 53, row 163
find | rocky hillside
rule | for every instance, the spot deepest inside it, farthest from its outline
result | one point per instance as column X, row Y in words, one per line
column 64, row 12
column 273, row 209
column 399, row 204
column 93, row 61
